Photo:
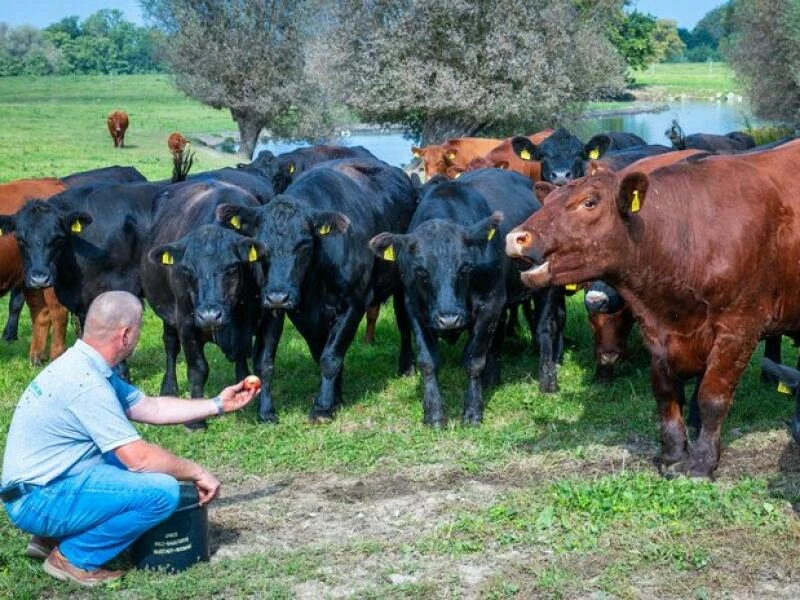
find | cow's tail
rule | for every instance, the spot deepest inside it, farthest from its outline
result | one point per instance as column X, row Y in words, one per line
column 182, row 162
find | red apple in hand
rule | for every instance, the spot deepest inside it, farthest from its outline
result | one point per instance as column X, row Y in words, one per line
column 251, row 382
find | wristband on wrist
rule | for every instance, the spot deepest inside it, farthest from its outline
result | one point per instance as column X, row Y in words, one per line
column 220, row 408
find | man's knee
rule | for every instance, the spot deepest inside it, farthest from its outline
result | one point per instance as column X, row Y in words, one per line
column 163, row 493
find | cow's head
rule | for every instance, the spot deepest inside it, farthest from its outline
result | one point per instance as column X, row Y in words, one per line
column 561, row 156
column 211, row 264
column 432, row 158
column 280, row 171
column 436, row 262
column 584, row 231
column 42, row 229
column 611, row 322
column 291, row 236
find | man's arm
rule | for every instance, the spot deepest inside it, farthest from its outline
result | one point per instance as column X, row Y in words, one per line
column 143, row 457
column 167, row 410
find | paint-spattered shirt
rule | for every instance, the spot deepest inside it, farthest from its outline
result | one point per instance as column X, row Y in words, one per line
column 68, row 417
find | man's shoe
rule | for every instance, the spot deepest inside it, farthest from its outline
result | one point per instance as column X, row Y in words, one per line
column 58, row 566
column 40, row 547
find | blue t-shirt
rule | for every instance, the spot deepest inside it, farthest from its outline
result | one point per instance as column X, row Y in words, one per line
column 68, row 417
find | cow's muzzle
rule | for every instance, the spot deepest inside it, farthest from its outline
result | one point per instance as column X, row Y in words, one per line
column 38, row 280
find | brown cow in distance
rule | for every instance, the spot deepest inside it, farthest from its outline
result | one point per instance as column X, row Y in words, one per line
column 456, row 152
column 503, row 156
column 117, row 125
column 704, row 252
column 45, row 309
column 176, row 143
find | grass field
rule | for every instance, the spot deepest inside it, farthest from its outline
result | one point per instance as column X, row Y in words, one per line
column 699, row 80
column 554, row 496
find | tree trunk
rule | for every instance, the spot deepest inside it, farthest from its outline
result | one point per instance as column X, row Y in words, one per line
column 250, row 126
column 436, row 130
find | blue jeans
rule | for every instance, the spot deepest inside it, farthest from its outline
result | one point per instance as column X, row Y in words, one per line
column 98, row 513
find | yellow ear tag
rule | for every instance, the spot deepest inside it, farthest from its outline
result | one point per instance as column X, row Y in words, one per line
column 324, row 229
column 594, row 154
column 524, row 154
column 457, row 175
column 783, row 388
column 1, row 232
column 166, row 259
column 417, row 154
column 571, row 287
column 450, row 155
column 491, row 233
column 388, row 253
column 635, row 203
column 252, row 256
column 76, row 227
column 291, row 169
column 236, row 222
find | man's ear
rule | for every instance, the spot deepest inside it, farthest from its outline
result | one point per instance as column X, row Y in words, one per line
column 242, row 219
column 249, row 250
column 324, row 223
column 75, row 221
column 596, row 147
column 525, row 149
column 542, row 189
column 485, row 230
column 6, row 224
column 167, row 255
column 632, row 192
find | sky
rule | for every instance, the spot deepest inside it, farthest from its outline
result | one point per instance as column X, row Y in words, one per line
column 41, row 13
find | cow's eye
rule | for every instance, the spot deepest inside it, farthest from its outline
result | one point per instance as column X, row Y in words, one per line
column 590, row 203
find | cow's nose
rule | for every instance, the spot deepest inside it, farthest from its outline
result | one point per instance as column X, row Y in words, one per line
column 210, row 316
column 608, row 359
column 559, row 177
column 596, row 301
column 277, row 298
column 39, row 280
column 449, row 320
column 517, row 242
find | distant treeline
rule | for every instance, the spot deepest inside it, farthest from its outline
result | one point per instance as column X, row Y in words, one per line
column 103, row 43
column 708, row 39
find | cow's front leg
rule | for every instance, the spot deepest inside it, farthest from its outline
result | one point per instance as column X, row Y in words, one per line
column 668, row 391
column 331, row 360
column 266, row 345
column 428, row 364
column 15, row 304
column 725, row 364
column 550, row 322
column 172, row 346
column 196, row 364
column 406, row 361
column 475, row 361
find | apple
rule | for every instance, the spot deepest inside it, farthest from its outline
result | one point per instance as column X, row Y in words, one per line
column 251, row 382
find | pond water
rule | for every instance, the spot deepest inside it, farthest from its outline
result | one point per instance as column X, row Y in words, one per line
column 693, row 116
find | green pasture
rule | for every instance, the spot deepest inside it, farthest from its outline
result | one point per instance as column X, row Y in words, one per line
column 699, row 80
column 569, row 502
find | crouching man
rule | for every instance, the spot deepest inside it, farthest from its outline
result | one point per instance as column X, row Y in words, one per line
column 76, row 473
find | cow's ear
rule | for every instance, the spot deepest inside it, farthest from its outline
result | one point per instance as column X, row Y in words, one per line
column 291, row 168
column 596, row 147
column 242, row 219
column 525, row 149
column 324, row 223
column 386, row 245
column 167, row 255
column 595, row 168
column 6, row 224
column 485, row 230
column 542, row 189
column 74, row 222
column 249, row 250
column 417, row 152
column 632, row 191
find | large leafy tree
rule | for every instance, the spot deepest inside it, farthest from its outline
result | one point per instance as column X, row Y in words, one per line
column 247, row 56
column 764, row 50
column 451, row 67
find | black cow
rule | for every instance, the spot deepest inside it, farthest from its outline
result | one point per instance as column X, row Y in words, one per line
column 730, row 143
column 457, row 278
column 115, row 174
column 202, row 280
column 563, row 156
column 85, row 241
column 281, row 170
column 250, row 180
column 320, row 270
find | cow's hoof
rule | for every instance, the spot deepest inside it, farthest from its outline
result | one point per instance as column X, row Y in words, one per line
column 320, row 419
column 10, row 337
column 196, row 426
column 794, row 429
column 369, row 340
column 548, row 387
column 437, row 422
column 270, row 418
column 471, row 420
column 37, row 361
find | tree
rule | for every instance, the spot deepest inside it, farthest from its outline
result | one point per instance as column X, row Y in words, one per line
column 244, row 55
column 764, row 50
column 451, row 68
column 634, row 38
column 667, row 45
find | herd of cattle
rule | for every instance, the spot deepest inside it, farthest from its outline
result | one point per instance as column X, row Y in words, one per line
column 698, row 243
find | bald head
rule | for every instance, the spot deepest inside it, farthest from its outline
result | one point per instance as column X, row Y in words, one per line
column 110, row 312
